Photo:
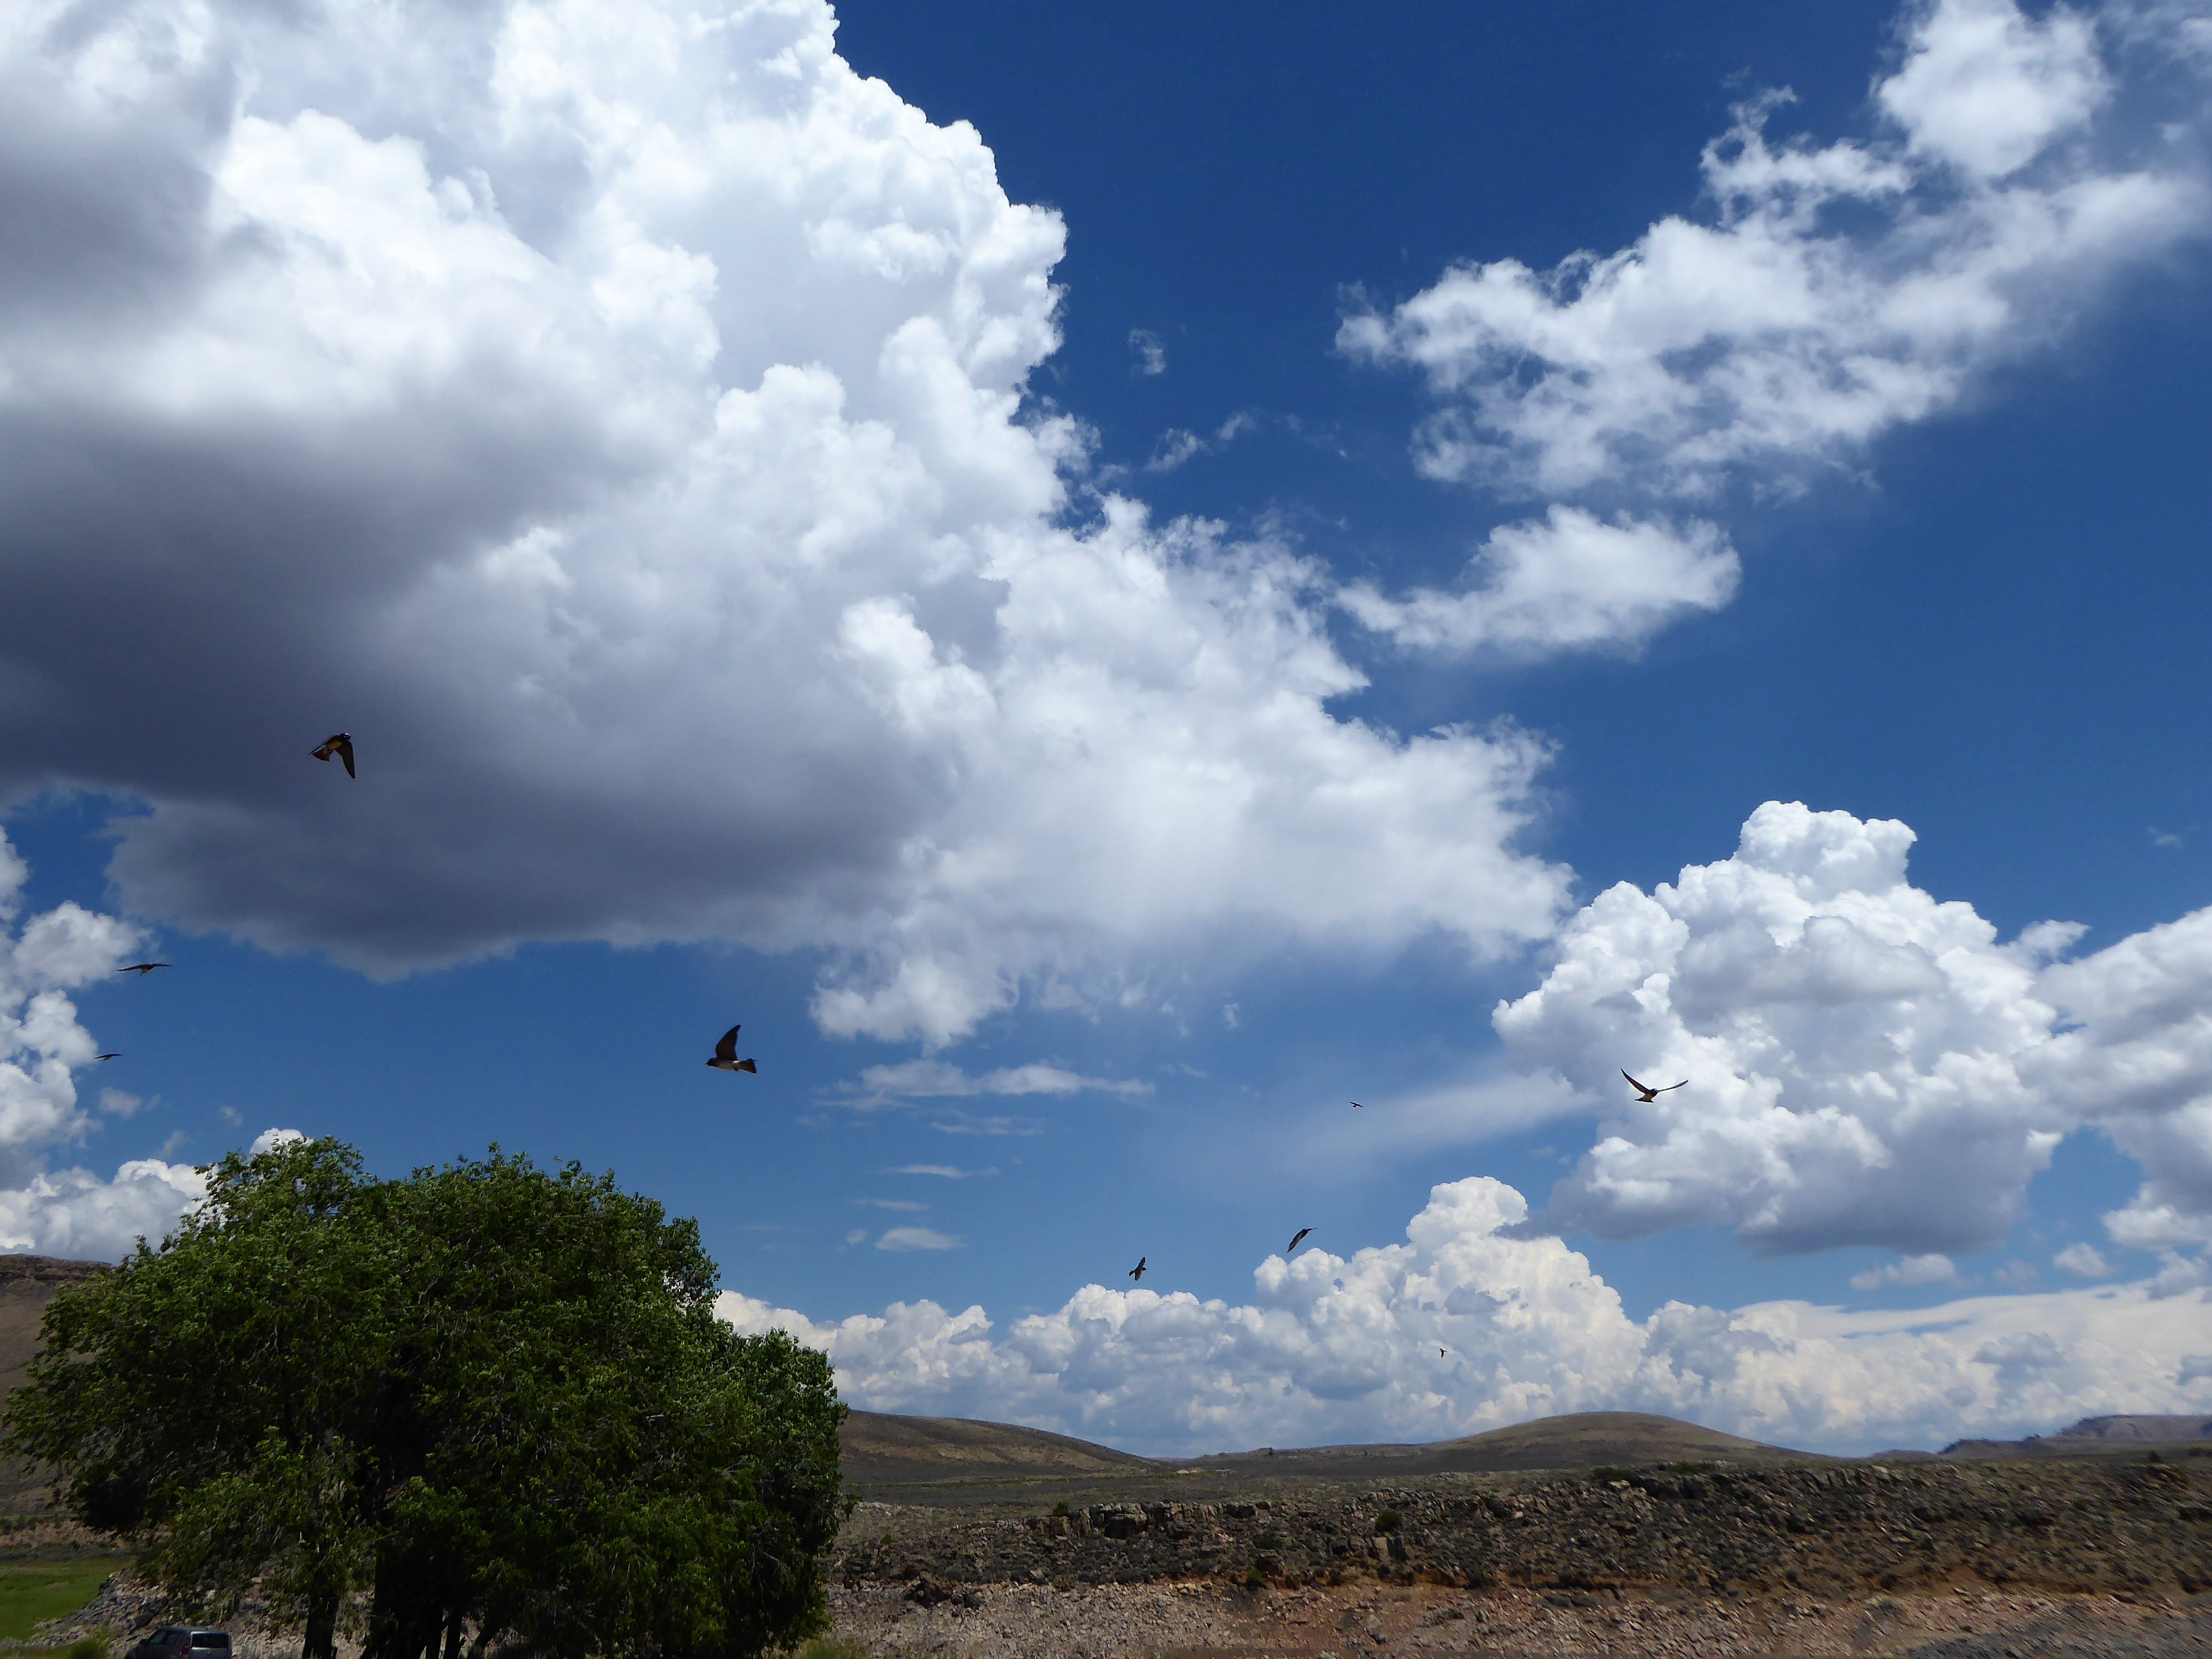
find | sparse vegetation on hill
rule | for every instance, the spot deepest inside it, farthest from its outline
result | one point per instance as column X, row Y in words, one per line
column 491, row 1405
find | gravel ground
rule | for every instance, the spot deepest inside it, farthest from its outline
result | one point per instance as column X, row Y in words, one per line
column 1204, row 1620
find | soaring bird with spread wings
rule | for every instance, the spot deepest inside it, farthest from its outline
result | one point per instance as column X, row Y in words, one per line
column 142, row 968
column 1645, row 1094
column 1296, row 1238
column 726, row 1054
column 339, row 743
column 1137, row 1272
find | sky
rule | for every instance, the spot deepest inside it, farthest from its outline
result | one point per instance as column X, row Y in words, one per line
column 1109, row 582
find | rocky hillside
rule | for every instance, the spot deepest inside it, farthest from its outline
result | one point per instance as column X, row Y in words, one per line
column 1834, row 1529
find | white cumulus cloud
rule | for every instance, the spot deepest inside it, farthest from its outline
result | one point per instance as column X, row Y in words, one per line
column 1852, row 1047
column 2137, row 1058
column 1835, row 291
column 1865, row 1063
column 1571, row 580
column 1334, row 1349
column 612, row 414
column 70, row 1211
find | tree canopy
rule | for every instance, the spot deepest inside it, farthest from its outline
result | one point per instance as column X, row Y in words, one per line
column 496, row 1400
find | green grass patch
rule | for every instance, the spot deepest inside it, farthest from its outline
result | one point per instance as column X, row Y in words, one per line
column 31, row 1591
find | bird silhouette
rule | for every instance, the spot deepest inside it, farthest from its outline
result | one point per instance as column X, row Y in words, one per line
column 339, row 743
column 1356, row 1106
column 142, row 968
column 116, row 1055
column 1440, row 1353
column 1295, row 1237
column 1137, row 1272
column 1645, row 1094
column 726, row 1054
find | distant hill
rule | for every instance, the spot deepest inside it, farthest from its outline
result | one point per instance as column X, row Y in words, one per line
column 1575, row 1440
column 934, row 1459
column 2094, row 1436
column 883, row 1449
column 27, row 1283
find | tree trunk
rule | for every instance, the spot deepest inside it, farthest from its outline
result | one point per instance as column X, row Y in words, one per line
column 321, row 1641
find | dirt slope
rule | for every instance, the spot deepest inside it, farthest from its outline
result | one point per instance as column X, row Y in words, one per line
column 27, row 1283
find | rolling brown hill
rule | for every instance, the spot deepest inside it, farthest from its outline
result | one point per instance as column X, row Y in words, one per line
column 1576, row 1440
column 27, row 1283
column 882, row 1448
column 935, row 1459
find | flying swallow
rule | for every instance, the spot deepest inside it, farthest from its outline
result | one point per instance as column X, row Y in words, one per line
column 1138, row 1272
column 116, row 1055
column 1295, row 1237
column 141, row 968
column 1356, row 1106
column 726, row 1054
column 339, row 743
column 1646, row 1094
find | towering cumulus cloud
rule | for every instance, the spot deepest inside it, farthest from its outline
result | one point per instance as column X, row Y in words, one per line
column 70, row 1211
column 1827, row 294
column 612, row 411
column 1867, row 1064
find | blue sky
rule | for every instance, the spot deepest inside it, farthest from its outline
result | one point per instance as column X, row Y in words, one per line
column 1103, row 633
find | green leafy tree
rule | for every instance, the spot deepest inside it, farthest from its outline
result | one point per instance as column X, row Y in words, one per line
column 495, row 1399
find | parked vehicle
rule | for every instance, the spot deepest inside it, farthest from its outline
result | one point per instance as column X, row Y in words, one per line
column 182, row 1642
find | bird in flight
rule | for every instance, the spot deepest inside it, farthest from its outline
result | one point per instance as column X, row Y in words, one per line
column 116, row 1055
column 1645, row 1094
column 1138, row 1272
column 339, row 743
column 726, row 1054
column 142, row 968
column 1356, row 1106
column 1295, row 1237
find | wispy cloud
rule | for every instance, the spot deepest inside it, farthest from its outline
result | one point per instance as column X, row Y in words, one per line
column 1151, row 351
column 2083, row 1261
column 949, row 1172
column 1933, row 1268
column 917, row 1238
column 1175, row 447
column 968, row 1123
column 937, row 1080
column 890, row 1204
column 1178, row 444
